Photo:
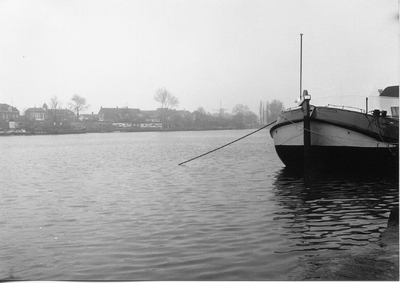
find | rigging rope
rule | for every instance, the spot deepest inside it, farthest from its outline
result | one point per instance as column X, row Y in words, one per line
column 263, row 127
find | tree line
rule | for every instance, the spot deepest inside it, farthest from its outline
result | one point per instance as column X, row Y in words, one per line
column 240, row 117
column 269, row 111
column 77, row 104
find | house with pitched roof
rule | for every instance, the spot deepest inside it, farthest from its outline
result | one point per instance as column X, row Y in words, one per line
column 36, row 113
column 151, row 119
column 119, row 115
column 8, row 114
column 42, row 118
column 153, row 116
column 59, row 115
column 89, row 117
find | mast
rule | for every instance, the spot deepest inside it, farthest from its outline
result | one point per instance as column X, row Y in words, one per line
column 306, row 113
column 301, row 63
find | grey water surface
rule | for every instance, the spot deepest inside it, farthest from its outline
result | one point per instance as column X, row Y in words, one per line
column 117, row 206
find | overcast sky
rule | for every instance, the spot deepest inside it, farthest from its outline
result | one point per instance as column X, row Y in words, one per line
column 119, row 52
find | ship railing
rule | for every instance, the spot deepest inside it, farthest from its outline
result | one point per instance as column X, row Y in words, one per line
column 344, row 107
column 291, row 109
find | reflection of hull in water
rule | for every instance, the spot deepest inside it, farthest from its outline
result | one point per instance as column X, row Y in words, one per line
column 326, row 211
column 338, row 138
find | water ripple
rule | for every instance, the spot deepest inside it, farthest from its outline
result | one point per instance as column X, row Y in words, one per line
column 117, row 207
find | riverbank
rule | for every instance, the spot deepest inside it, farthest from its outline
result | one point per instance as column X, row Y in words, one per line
column 86, row 128
column 378, row 264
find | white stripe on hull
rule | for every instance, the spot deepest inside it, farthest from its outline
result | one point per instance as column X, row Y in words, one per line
column 323, row 135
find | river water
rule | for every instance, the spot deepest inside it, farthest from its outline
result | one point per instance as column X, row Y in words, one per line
column 116, row 206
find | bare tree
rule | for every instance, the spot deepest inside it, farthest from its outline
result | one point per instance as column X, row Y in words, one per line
column 240, row 109
column 78, row 104
column 239, row 112
column 274, row 109
column 199, row 114
column 250, row 118
column 55, row 104
column 201, row 110
column 167, row 101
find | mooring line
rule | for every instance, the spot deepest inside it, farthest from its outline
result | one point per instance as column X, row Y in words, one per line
column 228, row 143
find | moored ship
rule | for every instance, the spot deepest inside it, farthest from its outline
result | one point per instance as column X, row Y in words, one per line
column 339, row 136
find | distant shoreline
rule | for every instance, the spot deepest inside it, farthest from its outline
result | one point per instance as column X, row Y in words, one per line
column 71, row 132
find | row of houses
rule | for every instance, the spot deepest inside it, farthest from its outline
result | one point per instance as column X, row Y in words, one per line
column 119, row 117
column 10, row 117
column 8, row 112
column 134, row 117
